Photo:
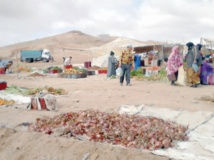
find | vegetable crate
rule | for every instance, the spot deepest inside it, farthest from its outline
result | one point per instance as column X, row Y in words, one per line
column 3, row 85
column 152, row 71
column 102, row 71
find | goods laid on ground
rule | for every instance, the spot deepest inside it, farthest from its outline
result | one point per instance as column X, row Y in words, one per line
column 153, row 70
column 43, row 101
column 127, row 130
column 2, row 70
column 24, row 91
column 139, row 75
column 102, row 70
column 74, row 73
column 3, row 85
column 52, row 70
column 6, row 102
column 22, row 69
column 68, row 66
column 16, row 90
column 51, row 90
column 36, row 74
column 71, row 71
column 91, row 72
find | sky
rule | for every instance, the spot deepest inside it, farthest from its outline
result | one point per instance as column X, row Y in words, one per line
column 176, row 21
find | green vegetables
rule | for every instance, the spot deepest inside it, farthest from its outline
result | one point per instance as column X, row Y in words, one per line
column 16, row 90
column 138, row 75
column 137, row 72
column 24, row 91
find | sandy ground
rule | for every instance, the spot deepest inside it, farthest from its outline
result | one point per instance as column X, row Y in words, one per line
column 94, row 92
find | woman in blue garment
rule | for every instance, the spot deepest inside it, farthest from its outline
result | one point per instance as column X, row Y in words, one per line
column 206, row 70
column 137, row 61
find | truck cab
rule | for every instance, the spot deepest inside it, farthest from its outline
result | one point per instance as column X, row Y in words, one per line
column 46, row 56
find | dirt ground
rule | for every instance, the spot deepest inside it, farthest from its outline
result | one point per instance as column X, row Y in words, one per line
column 97, row 93
column 94, row 92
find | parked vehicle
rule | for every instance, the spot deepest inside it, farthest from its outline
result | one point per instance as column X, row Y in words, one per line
column 35, row 55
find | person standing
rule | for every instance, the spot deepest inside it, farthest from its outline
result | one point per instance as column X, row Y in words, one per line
column 199, row 59
column 126, row 62
column 190, row 59
column 112, row 61
column 174, row 62
column 67, row 61
column 137, row 61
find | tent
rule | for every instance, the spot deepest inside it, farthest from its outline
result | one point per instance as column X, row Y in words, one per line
column 101, row 61
column 207, row 43
column 208, row 46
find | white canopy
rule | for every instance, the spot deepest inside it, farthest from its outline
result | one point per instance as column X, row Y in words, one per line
column 208, row 43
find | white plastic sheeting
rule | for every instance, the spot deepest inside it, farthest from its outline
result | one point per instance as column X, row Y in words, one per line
column 102, row 61
column 201, row 131
column 19, row 99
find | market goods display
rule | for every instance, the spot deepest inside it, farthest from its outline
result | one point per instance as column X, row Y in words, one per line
column 52, row 69
column 138, row 75
column 33, row 91
column 36, row 74
column 127, row 130
column 16, row 90
column 6, row 102
column 102, row 70
column 23, row 69
column 51, row 90
column 71, row 71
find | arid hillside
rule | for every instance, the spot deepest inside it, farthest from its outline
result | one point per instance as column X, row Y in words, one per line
column 82, row 47
column 77, row 41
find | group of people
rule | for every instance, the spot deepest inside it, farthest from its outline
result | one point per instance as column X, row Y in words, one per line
column 125, row 63
column 191, row 62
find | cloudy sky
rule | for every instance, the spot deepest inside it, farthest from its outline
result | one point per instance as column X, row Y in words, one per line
column 160, row 20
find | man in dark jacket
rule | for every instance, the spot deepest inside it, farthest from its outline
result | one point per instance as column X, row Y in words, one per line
column 190, row 58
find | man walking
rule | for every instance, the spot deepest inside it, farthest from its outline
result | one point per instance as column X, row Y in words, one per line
column 126, row 61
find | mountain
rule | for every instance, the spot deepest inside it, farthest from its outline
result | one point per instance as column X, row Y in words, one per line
column 80, row 46
column 71, row 40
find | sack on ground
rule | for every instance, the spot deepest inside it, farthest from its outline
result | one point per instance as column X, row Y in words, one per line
column 43, row 102
column 182, row 77
column 119, row 72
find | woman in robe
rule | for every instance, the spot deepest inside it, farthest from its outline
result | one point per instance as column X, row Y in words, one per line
column 206, row 70
column 173, row 64
column 112, row 61
column 191, row 59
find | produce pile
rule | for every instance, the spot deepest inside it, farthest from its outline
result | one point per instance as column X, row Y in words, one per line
column 71, row 71
column 36, row 74
column 51, row 90
column 24, row 91
column 6, row 102
column 128, row 130
column 52, row 68
column 16, row 90
column 23, row 69
column 138, row 75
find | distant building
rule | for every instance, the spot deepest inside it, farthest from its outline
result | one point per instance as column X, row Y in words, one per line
column 104, row 37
